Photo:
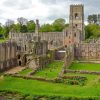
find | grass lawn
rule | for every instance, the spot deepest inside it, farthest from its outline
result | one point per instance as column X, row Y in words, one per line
column 26, row 71
column 85, row 66
column 92, row 79
column 51, row 71
column 34, row 87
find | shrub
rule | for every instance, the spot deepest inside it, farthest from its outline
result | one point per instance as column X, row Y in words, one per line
column 59, row 80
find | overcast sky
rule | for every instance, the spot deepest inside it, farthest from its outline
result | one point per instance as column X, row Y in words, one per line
column 45, row 10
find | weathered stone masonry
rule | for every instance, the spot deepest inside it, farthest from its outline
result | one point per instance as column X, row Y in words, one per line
column 87, row 51
column 7, row 55
column 38, row 49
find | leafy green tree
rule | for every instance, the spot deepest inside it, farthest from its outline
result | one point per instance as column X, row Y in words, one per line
column 92, row 30
column 16, row 27
column 1, row 29
column 1, row 32
column 46, row 28
column 6, row 31
column 31, row 26
column 92, row 19
column 58, row 24
column 22, row 22
column 23, row 29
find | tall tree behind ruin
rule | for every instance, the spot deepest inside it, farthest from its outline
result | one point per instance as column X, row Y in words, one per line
column 31, row 26
column 58, row 24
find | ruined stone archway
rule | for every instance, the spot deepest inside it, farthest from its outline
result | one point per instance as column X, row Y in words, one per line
column 24, row 59
column 18, row 56
column 19, row 63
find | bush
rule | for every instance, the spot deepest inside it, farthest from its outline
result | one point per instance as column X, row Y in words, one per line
column 58, row 80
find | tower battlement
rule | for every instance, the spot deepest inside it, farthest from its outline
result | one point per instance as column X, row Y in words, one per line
column 77, row 5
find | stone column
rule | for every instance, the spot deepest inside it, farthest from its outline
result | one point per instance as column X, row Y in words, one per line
column 37, row 27
column 37, row 36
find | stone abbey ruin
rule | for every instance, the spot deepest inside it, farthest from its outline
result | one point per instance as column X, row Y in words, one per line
column 38, row 49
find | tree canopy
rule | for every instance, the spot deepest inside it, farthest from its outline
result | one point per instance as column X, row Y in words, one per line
column 92, row 30
column 23, row 25
column 94, row 19
column 57, row 26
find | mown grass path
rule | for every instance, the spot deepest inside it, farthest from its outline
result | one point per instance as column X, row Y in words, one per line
column 85, row 66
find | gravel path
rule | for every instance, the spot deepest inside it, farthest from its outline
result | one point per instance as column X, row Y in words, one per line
column 15, row 70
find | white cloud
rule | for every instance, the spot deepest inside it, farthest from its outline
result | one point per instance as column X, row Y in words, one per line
column 45, row 10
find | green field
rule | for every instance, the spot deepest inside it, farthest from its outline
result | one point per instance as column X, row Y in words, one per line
column 26, row 71
column 51, row 71
column 91, row 79
column 85, row 66
column 34, row 87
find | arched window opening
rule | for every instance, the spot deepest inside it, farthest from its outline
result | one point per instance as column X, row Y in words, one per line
column 76, row 16
column 75, row 35
column 18, row 56
column 19, row 63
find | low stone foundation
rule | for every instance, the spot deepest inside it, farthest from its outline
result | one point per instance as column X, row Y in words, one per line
column 82, row 72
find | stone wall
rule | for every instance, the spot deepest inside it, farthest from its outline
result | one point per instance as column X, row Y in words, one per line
column 7, row 55
column 54, row 39
column 69, row 56
column 87, row 51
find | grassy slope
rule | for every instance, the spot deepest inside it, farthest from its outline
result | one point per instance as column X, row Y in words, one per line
column 33, row 87
column 85, row 66
column 51, row 71
column 25, row 72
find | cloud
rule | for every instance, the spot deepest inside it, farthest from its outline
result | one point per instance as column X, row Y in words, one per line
column 26, row 4
column 45, row 10
column 18, row 4
column 48, row 1
column 60, row 8
column 10, row 3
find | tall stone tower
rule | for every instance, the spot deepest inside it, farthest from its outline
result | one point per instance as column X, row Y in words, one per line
column 76, row 21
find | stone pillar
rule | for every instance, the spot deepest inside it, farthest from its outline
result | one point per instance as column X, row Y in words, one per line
column 37, row 36
column 37, row 27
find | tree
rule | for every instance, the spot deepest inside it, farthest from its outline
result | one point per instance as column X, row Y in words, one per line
column 22, row 24
column 93, row 19
column 8, row 27
column 58, row 24
column 88, row 32
column 22, row 21
column 6, row 31
column 31, row 26
column 16, row 27
column 1, row 31
column 46, row 28
column 92, row 30
column 9, row 22
column 23, row 29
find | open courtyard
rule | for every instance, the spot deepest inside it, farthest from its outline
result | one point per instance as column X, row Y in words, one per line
column 33, row 87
